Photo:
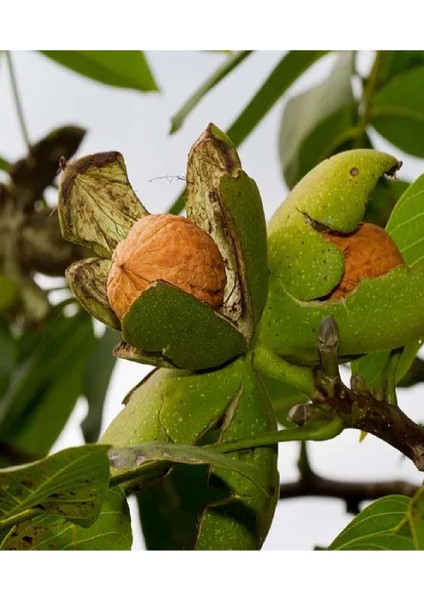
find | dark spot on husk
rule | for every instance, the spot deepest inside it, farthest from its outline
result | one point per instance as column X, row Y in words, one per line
column 354, row 171
column 392, row 172
column 101, row 159
column 104, row 158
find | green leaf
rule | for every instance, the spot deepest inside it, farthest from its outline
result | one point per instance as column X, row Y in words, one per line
column 71, row 484
column 381, row 371
column 406, row 223
column 396, row 62
column 111, row 531
column 231, row 62
column 383, row 200
column 405, row 226
column 97, row 373
column 316, row 122
column 397, row 111
column 290, row 68
column 4, row 164
column 391, row 523
column 120, row 68
column 46, row 386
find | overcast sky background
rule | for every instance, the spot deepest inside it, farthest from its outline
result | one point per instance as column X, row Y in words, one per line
column 137, row 125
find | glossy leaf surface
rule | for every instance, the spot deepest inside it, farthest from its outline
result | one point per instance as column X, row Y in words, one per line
column 394, row 62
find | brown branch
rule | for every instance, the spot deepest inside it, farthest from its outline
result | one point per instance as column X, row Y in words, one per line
column 358, row 408
column 352, row 492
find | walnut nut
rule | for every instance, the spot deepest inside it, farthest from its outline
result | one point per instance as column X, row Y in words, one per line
column 168, row 248
column 369, row 252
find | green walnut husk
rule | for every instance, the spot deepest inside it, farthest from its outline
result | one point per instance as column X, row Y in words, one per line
column 197, row 408
column 380, row 314
column 166, row 326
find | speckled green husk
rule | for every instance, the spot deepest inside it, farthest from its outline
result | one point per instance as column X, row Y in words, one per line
column 183, row 407
column 380, row 314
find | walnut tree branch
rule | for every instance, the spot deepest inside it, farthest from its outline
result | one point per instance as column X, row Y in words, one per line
column 358, row 408
column 352, row 492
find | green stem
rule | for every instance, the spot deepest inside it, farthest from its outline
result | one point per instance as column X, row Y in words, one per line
column 269, row 363
column 366, row 99
column 17, row 99
column 317, row 431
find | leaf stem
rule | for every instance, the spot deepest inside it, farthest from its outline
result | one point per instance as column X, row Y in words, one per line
column 365, row 108
column 315, row 431
column 18, row 104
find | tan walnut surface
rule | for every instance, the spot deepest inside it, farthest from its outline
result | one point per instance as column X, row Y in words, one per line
column 369, row 252
column 168, row 248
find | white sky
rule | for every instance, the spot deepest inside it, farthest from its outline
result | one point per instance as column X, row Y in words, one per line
column 137, row 125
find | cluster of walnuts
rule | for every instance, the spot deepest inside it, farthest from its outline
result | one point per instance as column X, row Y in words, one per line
column 175, row 250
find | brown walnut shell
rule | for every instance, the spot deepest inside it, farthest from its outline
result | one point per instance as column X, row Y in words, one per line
column 369, row 252
column 168, row 248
